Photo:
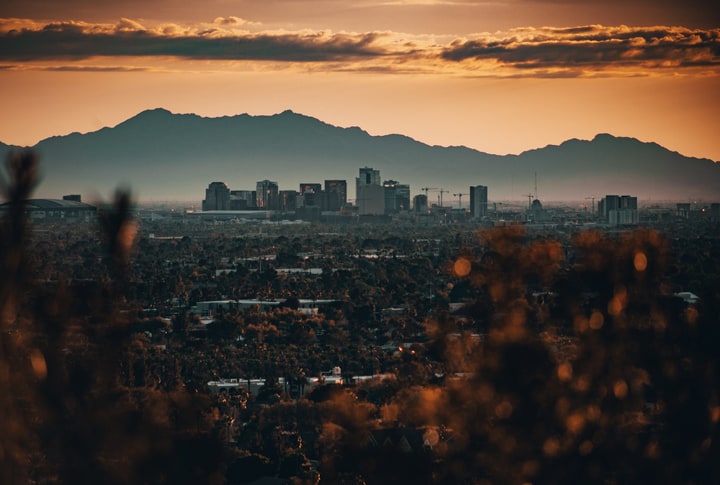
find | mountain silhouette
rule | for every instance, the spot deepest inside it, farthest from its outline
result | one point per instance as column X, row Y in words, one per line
column 166, row 156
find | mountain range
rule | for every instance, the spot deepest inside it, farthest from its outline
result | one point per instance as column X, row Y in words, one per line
column 166, row 156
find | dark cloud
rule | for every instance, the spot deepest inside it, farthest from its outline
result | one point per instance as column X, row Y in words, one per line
column 73, row 68
column 554, row 52
column 65, row 40
column 95, row 69
column 594, row 47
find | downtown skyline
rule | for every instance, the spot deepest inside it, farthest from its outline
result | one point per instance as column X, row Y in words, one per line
column 500, row 77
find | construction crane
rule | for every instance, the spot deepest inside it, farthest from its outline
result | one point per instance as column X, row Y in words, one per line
column 592, row 197
column 428, row 189
column 530, row 198
column 440, row 196
column 459, row 196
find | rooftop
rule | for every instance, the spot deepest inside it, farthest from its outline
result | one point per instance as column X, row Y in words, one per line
column 54, row 204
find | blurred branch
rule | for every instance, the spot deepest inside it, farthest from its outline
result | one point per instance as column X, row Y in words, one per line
column 16, row 187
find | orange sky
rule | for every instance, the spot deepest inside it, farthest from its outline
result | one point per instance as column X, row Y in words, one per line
column 499, row 76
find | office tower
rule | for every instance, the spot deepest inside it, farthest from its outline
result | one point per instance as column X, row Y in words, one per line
column 369, row 194
column 628, row 202
column 312, row 187
column 337, row 194
column 607, row 204
column 369, row 176
column 390, row 196
column 478, row 201
column 619, row 210
column 243, row 199
column 397, row 196
column 288, row 200
column 420, row 204
column 267, row 195
column 402, row 197
column 217, row 197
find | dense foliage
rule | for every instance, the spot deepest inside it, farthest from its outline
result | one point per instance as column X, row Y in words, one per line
column 569, row 360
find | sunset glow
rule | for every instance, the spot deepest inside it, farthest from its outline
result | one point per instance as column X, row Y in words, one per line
column 448, row 73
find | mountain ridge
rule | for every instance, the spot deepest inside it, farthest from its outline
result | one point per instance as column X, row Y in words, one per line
column 161, row 154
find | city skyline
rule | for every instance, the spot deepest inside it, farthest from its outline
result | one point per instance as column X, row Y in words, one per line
column 391, row 198
column 500, row 77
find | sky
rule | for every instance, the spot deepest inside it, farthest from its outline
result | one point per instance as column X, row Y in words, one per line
column 500, row 76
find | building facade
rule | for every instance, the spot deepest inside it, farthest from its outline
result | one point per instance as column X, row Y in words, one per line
column 267, row 193
column 618, row 210
column 311, row 187
column 217, row 197
column 369, row 193
column 478, row 201
column 369, row 176
column 288, row 200
column 337, row 194
column 69, row 210
column 242, row 200
column 420, row 204
column 397, row 197
column 402, row 197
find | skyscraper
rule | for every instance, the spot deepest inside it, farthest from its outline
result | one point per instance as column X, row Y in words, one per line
column 420, row 203
column 390, row 196
column 267, row 195
column 217, row 197
column 397, row 196
column 337, row 194
column 308, row 186
column 242, row 199
column 618, row 210
column 288, row 200
column 478, row 201
column 369, row 176
column 369, row 194
column 402, row 197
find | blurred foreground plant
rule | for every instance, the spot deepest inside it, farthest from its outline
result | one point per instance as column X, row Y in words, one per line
column 69, row 410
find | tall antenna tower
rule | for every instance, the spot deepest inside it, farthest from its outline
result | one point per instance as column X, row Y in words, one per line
column 536, row 185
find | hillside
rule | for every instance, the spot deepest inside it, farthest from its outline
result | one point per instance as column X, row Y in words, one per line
column 166, row 156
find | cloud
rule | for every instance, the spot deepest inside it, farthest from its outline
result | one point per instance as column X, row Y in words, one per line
column 234, row 21
column 75, row 68
column 95, row 69
column 425, row 3
column 76, row 40
column 549, row 52
column 592, row 47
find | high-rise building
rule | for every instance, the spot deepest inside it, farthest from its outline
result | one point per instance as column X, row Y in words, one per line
column 309, row 199
column 618, row 210
column 267, row 195
column 313, row 187
column 420, row 203
column 607, row 204
column 402, row 197
column 337, row 194
column 242, row 199
column 478, row 201
column 397, row 196
column 217, row 197
column 369, row 176
column 390, row 196
column 310, row 194
column 288, row 200
column 369, row 194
